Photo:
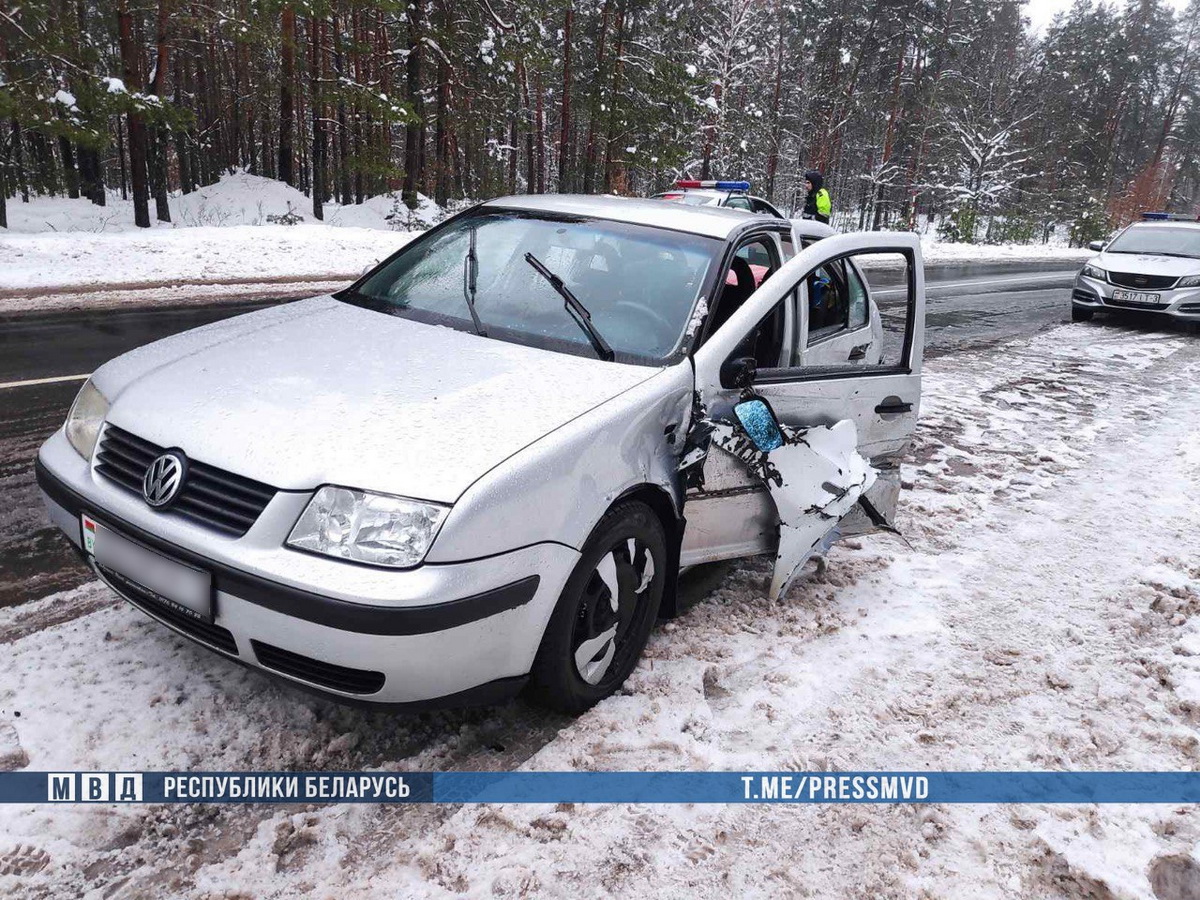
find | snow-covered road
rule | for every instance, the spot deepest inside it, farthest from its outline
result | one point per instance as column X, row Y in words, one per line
column 1046, row 616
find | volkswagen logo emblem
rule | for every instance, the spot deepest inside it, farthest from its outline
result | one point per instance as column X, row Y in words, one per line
column 164, row 478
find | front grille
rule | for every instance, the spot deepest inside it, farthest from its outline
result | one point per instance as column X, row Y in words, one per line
column 1142, row 282
column 213, row 635
column 221, row 500
column 337, row 678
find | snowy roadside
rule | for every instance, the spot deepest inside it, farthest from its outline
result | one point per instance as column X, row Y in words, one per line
column 1047, row 617
column 36, row 264
column 167, row 295
column 221, row 245
column 937, row 253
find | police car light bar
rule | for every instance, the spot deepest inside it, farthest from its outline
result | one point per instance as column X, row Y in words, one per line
column 718, row 185
column 1169, row 217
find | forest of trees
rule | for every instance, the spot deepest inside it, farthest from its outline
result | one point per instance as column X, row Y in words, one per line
column 951, row 112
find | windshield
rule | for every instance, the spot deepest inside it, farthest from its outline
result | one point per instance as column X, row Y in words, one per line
column 1159, row 240
column 639, row 284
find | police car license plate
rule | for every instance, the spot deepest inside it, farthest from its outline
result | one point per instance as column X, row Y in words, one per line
column 135, row 569
column 1136, row 297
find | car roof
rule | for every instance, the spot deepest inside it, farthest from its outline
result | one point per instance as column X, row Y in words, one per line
column 1165, row 223
column 710, row 221
column 811, row 228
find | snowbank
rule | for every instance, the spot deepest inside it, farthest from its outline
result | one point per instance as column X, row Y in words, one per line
column 939, row 253
column 208, row 253
column 223, row 234
column 238, row 199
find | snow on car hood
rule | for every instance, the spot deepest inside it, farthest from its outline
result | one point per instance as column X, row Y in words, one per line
column 322, row 392
column 1147, row 264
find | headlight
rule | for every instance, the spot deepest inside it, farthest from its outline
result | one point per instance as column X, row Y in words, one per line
column 85, row 418
column 370, row 528
column 1094, row 272
column 1190, row 281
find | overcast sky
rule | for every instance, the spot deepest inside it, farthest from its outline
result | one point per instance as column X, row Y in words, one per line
column 1040, row 12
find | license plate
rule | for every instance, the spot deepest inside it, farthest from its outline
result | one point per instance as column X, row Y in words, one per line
column 183, row 588
column 1136, row 297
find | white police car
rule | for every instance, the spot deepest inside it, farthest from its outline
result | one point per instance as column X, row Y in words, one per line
column 1153, row 265
column 729, row 194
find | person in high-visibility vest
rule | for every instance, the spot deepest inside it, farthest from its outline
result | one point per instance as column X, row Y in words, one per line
column 818, row 204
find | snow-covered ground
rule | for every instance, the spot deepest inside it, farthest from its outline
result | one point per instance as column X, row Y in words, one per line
column 222, row 234
column 219, row 236
column 1045, row 616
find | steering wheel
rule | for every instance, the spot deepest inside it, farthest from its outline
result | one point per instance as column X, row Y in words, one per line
column 663, row 330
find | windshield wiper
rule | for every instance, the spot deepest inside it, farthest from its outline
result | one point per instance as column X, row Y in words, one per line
column 577, row 310
column 471, row 281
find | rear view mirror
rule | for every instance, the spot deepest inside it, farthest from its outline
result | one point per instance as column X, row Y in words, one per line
column 758, row 421
column 1096, row 246
column 739, row 372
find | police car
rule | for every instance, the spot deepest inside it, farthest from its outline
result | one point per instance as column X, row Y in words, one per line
column 1153, row 265
column 729, row 194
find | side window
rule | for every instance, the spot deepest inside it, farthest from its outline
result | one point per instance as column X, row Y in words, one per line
column 752, row 264
column 828, row 301
column 842, row 330
column 738, row 203
column 756, row 254
column 764, row 208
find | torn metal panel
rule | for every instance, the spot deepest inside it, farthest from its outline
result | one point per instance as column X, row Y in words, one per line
column 815, row 478
column 883, row 497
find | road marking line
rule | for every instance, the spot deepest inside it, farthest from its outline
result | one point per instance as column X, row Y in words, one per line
column 33, row 381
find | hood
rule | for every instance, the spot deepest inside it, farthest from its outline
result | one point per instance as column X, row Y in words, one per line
column 817, row 179
column 1147, row 264
column 322, row 392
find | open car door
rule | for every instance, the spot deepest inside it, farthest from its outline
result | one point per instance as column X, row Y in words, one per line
column 733, row 514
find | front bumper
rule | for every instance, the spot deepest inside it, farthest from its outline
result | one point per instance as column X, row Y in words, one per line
column 1097, row 295
column 446, row 634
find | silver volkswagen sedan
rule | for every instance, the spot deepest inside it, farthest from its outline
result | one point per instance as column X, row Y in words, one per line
column 483, row 465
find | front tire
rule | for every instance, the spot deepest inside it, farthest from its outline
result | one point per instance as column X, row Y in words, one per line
column 1081, row 315
column 604, row 615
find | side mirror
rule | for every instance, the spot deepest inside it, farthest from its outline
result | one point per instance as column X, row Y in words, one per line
column 758, row 421
column 739, row 372
column 1096, row 246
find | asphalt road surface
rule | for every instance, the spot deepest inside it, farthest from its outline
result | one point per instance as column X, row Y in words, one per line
column 968, row 306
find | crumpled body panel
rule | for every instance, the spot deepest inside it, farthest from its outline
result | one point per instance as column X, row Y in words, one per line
column 815, row 478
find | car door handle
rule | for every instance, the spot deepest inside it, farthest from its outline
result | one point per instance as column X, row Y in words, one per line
column 893, row 406
column 859, row 352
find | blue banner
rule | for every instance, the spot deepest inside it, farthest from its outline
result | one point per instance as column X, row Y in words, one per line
column 599, row 787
